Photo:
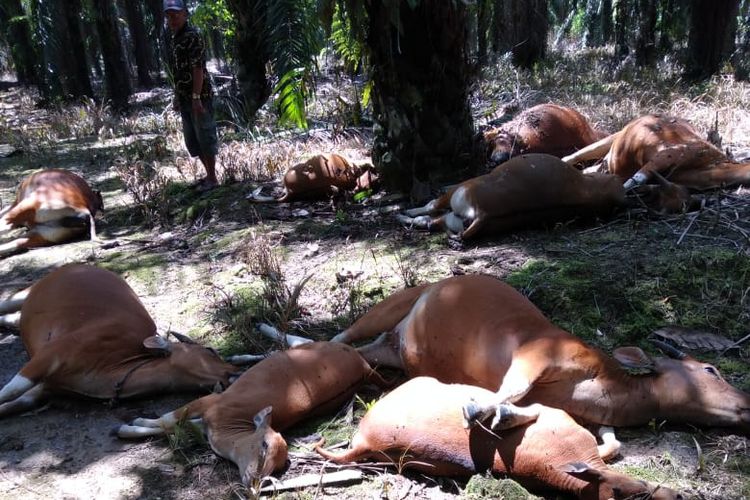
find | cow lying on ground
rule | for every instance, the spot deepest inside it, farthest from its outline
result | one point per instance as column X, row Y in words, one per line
column 321, row 177
column 546, row 128
column 526, row 190
column 419, row 426
column 55, row 206
column 87, row 333
column 288, row 386
column 478, row 330
column 668, row 146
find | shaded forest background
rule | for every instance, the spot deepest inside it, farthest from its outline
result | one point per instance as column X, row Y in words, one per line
column 415, row 61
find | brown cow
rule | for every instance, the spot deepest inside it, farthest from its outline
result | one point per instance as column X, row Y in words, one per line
column 307, row 380
column 55, row 205
column 525, row 190
column 666, row 145
column 322, row 176
column 478, row 330
column 419, row 426
column 86, row 332
column 545, row 128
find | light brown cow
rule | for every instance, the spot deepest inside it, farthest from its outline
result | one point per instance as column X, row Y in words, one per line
column 545, row 128
column 87, row 333
column 291, row 385
column 478, row 330
column 323, row 176
column 669, row 146
column 419, row 426
column 55, row 206
column 526, row 190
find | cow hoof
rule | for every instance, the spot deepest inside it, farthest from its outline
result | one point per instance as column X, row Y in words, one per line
column 504, row 418
column 472, row 412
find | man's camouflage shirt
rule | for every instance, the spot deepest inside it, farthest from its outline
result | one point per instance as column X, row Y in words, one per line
column 188, row 51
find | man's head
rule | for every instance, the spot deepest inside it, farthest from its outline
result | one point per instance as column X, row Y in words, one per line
column 176, row 14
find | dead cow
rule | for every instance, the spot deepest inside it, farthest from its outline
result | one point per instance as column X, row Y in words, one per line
column 660, row 144
column 477, row 330
column 87, row 333
column 55, row 206
column 419, row 425
column 307, row 380
column 323, row 176
column 526, row 190
column 545, row 128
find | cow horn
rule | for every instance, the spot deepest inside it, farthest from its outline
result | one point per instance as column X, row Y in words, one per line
column 667, row 349
column 183, row 338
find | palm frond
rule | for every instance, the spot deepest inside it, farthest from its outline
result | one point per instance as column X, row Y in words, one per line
column 295, row 39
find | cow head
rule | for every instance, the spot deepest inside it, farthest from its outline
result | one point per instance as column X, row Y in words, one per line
column 264, row 452
column 608, row 484
column 98, row 201
column 368, row 177
column 190, row 366
column 687, row 390
column 502, row 145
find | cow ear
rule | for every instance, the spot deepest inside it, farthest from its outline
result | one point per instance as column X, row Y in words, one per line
column 157, row 345
column 263, row 418
column 581, row 470
column 633, row 357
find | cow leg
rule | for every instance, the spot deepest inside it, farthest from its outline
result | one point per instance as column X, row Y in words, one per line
column 144, row 427
column 471, row 231
column 27, row 401
column 384, row 317
column 674, row 158
column 17, row 386
column 436, row 205
column 31, row 240
column 14, row 303
column 594, row 151
column 147, row 427
column 92, row 229
column 274, row 334
column 20, row 214
column 516, row 383
column 610, row 446
column 5, row 211
column 382, row 352
column 509, row 415
column 12, row 320
column 426, row 222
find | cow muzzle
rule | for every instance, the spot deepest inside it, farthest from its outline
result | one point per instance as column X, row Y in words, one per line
column 499, row 157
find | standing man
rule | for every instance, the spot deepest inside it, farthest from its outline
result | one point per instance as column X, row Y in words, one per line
column 193, row 95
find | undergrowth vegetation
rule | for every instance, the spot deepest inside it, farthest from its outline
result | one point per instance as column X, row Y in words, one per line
column 313, row 269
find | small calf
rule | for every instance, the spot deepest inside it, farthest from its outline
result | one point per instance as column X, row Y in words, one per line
column 311, row 379
column 55, row 205
column 419, row 426
column 323, row 176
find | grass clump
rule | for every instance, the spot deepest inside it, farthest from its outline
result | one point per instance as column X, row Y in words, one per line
column 486, row 486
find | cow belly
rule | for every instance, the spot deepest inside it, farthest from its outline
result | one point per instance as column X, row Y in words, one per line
column 54, row 233
column 53, row 213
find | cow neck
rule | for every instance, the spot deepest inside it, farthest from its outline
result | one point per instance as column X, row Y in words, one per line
column 631, row 400
column 136, row 364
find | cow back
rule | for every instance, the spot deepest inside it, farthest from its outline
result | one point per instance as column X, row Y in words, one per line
column 89, row 308
column 304, row 381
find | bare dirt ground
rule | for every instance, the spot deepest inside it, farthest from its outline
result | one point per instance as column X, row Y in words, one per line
column 356, row 254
